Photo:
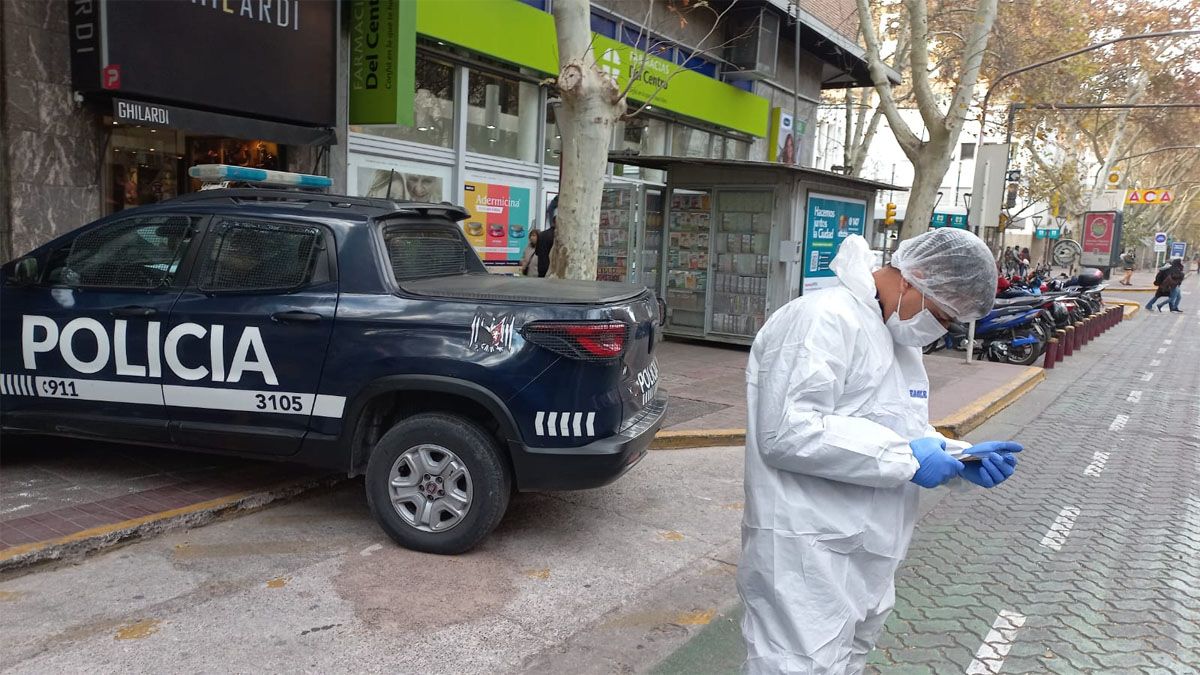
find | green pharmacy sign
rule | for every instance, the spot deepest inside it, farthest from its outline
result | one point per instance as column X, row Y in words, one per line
column 383, row 44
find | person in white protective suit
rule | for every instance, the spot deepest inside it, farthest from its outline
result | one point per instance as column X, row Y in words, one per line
column 839, row 445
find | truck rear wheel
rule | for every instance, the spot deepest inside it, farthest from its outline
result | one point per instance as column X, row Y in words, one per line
column 436, row 483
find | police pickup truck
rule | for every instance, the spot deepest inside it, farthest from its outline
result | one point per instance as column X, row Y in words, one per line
column 362, row 335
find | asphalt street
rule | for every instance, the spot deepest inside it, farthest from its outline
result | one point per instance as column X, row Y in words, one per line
column 315, row 586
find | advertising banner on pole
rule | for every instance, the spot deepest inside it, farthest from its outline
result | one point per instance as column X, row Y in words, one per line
column 1101, row 237
column 829, row 221
column 498, row 224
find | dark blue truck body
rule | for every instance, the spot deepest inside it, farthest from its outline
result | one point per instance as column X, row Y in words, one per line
column 102, row 337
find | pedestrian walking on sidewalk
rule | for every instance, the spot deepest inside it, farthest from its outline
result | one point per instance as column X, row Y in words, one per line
column 529, row 257
column 1168, row 281
column 1128, row 260
column 545, row 242
column 839, row 446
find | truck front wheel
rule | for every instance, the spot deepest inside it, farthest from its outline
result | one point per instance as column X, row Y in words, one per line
column 436, row 483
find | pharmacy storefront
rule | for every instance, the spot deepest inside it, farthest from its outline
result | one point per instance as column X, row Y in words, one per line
column 451, row 109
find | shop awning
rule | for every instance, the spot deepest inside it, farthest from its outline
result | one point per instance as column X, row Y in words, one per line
column 845, row 61
column 667, row 162
column 163, row 116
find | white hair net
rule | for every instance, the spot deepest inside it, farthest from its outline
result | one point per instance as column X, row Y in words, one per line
column 952, row 267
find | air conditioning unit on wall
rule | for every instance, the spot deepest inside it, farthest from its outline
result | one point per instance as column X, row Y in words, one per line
column 753, row 49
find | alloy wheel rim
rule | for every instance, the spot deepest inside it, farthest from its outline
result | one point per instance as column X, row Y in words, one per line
column 430, row 488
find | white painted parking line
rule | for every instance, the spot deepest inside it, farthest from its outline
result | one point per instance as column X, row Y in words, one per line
column 990, row 657
column 1154, row 363
column 1146, row 377
column 1134, row 396
column 1057, row 534
column 1099, row 459
column 1118, row 423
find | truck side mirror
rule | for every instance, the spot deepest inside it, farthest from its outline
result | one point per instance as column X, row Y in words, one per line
column 26, row 272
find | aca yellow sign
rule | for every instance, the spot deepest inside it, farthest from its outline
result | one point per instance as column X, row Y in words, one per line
column 1149, row 196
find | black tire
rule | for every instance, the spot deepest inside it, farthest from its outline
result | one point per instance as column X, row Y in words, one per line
column 1025, row 355
column 488, row 473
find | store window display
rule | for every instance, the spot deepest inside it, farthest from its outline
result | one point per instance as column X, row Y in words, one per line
column 147, row 166
column 502, row 116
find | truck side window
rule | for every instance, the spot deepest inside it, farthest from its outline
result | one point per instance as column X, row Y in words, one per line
column 138, row 253
column 420, row 252
column 262, row 256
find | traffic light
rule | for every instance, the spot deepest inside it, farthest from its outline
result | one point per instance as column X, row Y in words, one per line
column 1003, row 224
column 1010, row 200
column 889, row 214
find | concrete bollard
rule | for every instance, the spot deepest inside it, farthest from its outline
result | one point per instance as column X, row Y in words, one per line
column 1085, row 334
column 1061, row 336
column 1069, row 345
column 1078, row 335
column 1051, row 354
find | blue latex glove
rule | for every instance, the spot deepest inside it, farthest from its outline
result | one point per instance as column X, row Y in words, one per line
column 936, row 465
column 991, row 470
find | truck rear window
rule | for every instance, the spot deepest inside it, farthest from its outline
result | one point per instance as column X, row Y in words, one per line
column 420, row 252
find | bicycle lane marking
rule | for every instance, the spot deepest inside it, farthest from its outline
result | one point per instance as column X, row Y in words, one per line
column 990, row 657
column 1057, row 535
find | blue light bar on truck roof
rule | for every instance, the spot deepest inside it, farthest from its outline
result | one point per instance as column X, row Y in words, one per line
column 245, row 174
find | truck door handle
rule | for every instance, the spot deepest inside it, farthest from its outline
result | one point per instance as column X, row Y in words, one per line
column 288, row 317
column 135, row 311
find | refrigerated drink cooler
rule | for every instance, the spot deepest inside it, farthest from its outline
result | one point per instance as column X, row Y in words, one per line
column 739, row 241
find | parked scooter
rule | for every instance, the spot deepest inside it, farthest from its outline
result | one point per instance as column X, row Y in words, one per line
column 1012, row 335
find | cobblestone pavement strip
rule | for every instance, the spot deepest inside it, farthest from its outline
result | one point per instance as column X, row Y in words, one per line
column 1094, row 545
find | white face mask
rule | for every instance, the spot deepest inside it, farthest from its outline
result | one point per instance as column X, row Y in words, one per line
column 917, row 331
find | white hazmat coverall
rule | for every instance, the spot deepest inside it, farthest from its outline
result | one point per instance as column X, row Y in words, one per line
column 833, row 403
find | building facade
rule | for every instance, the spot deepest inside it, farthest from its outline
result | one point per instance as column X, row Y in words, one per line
column 101, row 115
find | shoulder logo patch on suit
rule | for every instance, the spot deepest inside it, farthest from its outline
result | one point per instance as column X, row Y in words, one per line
column 492, row 333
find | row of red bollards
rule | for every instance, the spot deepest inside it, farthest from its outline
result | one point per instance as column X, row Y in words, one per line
column 1066, row 341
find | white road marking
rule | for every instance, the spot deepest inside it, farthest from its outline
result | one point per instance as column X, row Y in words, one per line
column 370, row 549
column 1166, row 342
column 1155, row 363
column 1134, row 396
column 1146, row 377
column 1162, row 350
column 1056, row 536
column 1118, row 423
column 990, row 657
column 1099, row 459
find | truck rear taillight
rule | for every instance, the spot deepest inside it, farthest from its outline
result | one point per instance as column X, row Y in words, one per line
column 584, row 341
